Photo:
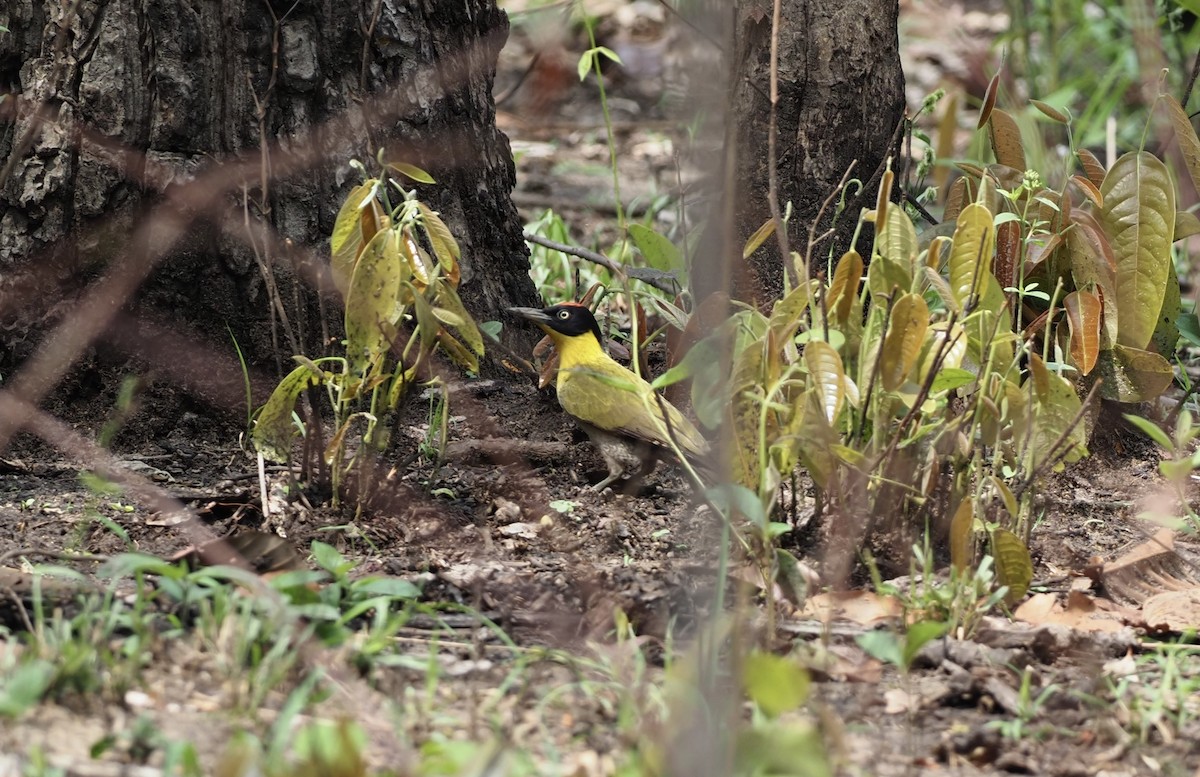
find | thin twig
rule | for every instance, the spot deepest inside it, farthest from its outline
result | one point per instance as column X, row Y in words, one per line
column 812, row 229
column 1187, row 93
column 662, row 284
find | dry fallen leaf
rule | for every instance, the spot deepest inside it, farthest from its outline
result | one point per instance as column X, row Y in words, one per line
column 865, row 608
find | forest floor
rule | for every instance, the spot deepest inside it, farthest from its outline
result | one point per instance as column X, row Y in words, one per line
column 509, row 659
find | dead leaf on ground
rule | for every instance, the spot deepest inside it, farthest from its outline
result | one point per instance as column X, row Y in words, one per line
column 1081, row 612
column 1150, row 568
column 1175, row 610
column 865, row 608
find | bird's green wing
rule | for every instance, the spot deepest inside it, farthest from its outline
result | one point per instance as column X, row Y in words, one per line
column 611, row 397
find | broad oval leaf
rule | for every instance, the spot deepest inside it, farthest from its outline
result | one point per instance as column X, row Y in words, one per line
column 1006, row 141
column 844, row 287
column 1133, row 375
column 1139, row 216
column 660, row 253
column 971, row 252
column 900, row 239
column 448, row 299
column 1092, row 168
column 371, row 299
column 905, row 336
column 827, row 377
column 273, row 428
column 1014, row 567
column 1084, row 313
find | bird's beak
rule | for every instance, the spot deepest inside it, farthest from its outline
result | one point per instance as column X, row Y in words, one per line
column 533, row 314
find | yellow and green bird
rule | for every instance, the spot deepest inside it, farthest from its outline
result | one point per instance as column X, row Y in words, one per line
column 625, row 420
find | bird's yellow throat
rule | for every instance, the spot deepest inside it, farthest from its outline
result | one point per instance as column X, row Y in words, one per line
column 577, row 350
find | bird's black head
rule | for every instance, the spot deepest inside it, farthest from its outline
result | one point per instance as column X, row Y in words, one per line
column 570, row 319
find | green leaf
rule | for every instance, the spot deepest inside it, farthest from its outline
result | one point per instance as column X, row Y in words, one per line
column 730, row 498
column 776, row 684
column 660, row 252
column 387, row 586
column 1151, row 430
column 882, row 646
column 951, row 378
column 24, row 687
column 918, row 635
column 1189, row 328
column 329, row 559
column 1139, row 217
column 445, row 247
column 273, row 428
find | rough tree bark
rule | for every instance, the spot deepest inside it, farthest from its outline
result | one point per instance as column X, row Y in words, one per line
column 167, row 162
column 841, row 100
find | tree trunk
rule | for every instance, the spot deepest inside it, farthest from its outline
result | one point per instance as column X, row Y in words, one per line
column 172, row 168
column 841, row 100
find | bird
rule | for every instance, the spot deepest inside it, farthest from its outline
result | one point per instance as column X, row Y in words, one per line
column 625, row 420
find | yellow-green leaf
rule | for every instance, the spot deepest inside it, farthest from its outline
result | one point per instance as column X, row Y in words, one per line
column 346, row 240
column 445, row 247
column 1133, row 375
column 962, row 530
column 826, row 375
column 1056, row 412
column 1084, row 312
column 1139, row 217
column 971, row 252
column 900, row 239
column 1014, row 567
column 844, row 287
column 273, row 428
column 775, row 683
column 467, row 329
column 905, row 336
column 758, row 238
column 411, row 171
column 371, row 299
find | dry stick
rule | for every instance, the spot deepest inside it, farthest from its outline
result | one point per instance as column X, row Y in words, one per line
column 1187, row 93
column 661, row 284
column 772, row 153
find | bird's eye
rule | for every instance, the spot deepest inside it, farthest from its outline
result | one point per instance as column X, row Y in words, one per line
column 564, row 314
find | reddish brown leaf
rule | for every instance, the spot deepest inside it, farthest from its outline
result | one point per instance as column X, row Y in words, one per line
column 989, row 101
column 1084, row 312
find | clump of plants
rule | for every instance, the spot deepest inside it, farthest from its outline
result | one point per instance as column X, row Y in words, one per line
column 396, row 265
column 933, row 387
